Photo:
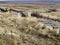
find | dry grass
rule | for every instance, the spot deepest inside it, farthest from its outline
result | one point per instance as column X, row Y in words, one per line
column 27, row 30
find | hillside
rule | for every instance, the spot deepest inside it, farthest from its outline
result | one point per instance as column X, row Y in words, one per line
column 30, row 30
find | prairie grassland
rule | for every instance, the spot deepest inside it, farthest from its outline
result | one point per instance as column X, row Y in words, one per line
column 28, row 30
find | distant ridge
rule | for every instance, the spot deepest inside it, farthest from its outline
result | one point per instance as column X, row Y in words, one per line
column 33, row 1
column 29, row 1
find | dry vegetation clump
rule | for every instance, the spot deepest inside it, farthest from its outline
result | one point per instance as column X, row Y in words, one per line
column 22, row 31
column 52, row 10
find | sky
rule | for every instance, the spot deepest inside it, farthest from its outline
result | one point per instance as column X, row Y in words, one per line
column 30, row 0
